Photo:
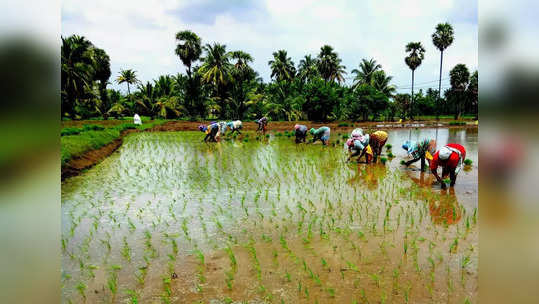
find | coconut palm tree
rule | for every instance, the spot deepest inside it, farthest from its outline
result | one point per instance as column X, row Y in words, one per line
column 77, row 70
column 129, row 77
column 329, row 64
column 381, row 82
column 188, row 48
column 442, row 38
column 416, row 54
column 308, row 68
column 216, row 66
column 282, row 66
column 365, row 72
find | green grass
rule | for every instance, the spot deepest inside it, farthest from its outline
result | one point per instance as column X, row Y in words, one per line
column 92, row 137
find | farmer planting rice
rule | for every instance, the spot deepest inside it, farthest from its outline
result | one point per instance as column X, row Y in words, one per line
column 262, row 124
column 321, row 134
column 450, row 158
column 377, row 141
column 235, row 126
column 360, row 146
column 356, row 133
column 301, row 133
column 421, row 150
column 212, row 130
column 222, row 128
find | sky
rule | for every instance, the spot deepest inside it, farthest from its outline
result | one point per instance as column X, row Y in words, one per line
column 140, row 35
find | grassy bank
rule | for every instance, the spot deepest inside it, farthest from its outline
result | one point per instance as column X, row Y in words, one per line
column 76, row 141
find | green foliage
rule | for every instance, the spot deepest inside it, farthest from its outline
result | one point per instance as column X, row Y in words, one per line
column 219, row 83
column 468, row 162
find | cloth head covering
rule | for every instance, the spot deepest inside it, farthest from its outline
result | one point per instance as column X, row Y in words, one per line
column 444, row 153
column 357, row 132
column 350, row 142
column 406, row 145
column 296, row 127
column 202, row 128
column 312, row 130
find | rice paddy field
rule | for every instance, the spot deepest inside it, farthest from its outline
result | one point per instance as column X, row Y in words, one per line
column 170, row 219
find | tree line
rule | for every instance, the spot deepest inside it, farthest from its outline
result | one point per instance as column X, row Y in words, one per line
column 219, row 83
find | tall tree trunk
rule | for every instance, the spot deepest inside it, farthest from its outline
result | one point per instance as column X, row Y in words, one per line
column 412, row 101
column 439, row 87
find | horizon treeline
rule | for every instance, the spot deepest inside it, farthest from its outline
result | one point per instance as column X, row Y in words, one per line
column 220, row 84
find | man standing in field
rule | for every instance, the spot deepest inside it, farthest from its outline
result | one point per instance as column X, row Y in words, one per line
column 450, row 158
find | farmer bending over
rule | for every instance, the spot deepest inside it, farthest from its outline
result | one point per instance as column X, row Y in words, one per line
column 359, row 147
column 262, row 124
column 419, row 151
column 211, row 131
column 235, row 126
column 301, row 133
column 321, row 134
column 377, row 141
column 451, row 158
column 357, row 133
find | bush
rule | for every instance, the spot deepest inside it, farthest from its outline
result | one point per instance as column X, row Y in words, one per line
column 403, row 162
column 92, row 128
column 468, row 162
column 389, row 146
column 383, row 160
column 70, row 131
column 390, row 155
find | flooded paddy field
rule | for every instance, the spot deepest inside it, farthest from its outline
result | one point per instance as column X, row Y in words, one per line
column 170, row 219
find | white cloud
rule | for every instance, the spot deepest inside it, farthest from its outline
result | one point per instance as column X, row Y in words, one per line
column 140, row 34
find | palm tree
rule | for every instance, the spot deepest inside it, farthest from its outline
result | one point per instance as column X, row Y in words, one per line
column 129, row 77
column 282, row 66
column 381, row 82
column 188, row 48
column 216, row 66
column 416, row 54
column 242, row 60
column 329, row 64
column 365, row 72
column 308, row 68
column 77, row 70
column 442, row 39
column 102, row 73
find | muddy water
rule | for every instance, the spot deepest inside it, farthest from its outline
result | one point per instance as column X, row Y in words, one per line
column 168, row 218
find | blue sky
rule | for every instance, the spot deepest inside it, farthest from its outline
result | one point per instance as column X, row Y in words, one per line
column 140, row 34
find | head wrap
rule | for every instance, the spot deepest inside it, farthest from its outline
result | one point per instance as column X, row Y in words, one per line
column 312, row 130
column 296, row 127
column 406, row 145
column 444, row 153
column 349, row 142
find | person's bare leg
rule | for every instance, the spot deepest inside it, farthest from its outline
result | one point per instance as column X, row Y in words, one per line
column 453, row 177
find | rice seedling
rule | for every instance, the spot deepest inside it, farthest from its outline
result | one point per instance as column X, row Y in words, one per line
column 324, row 208
column 81, row 288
